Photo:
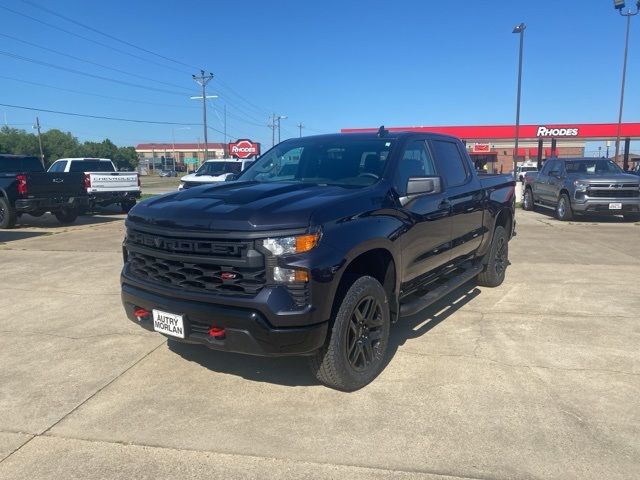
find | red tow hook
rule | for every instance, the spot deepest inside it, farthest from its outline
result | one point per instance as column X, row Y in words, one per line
column 217, row 333
column 141, row 313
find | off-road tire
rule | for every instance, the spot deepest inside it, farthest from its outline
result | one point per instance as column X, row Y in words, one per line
column 563, row 208
column 334, row 364
column 126, row 206
column 7, row 214
column 527, row 203
column 497, row 260
column 66, row 216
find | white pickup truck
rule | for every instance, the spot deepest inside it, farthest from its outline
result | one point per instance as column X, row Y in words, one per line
column 215, row 171
column 103, row 183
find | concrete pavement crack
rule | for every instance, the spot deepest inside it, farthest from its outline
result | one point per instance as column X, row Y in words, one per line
column 18, row 447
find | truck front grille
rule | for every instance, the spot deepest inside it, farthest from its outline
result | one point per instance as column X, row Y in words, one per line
column 197, row 276
column 613, row 193
column 227, row 267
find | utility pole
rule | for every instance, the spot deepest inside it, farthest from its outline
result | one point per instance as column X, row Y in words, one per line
column 300, row 127
column 280, row 117
column 519, row 29
column 37, row 126
column 272, row 126
column 202, row 80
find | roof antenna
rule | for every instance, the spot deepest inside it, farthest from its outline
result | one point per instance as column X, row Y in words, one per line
column 382, row 131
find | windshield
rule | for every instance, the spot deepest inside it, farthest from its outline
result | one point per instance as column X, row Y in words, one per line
column 218, row 168
column 328, row 161
column 592, row 166
column 529, row 169
column 90, row 166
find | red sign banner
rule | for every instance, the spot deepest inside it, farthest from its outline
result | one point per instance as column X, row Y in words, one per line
column 481, row 148
column 244, row 149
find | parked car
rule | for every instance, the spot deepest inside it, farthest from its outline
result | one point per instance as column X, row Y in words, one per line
column 25, row 187
column 213, row 171
column 318, row 248
column 578, row 186
column 168, row 173
column 523, row 169
column 104, row 185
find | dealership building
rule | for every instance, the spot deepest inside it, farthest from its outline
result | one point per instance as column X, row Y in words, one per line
column 155, row 156
column 493, row 145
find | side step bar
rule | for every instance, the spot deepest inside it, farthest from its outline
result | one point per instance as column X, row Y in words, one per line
column 437, row 293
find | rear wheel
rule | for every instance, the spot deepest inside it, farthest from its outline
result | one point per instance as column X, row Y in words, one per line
column 563, row 208
column 7, row 214
column 127, row 205
column 527, row 201
column 497, row 260
column 355, row 351
column 66, row 215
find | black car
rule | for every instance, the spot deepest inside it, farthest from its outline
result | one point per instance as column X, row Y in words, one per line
column 26, row 188
column 318, row 248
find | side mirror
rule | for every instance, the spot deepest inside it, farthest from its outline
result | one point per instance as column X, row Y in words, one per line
column 231, row 177
column 421, row 186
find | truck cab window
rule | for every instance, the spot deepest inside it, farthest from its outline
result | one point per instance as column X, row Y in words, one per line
column 450, row 163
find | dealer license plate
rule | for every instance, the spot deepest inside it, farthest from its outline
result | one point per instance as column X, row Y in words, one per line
column 615, row 206
column 168, row 323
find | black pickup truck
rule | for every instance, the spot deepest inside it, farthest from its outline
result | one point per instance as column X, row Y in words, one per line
column 318, row 248
column 26, row 188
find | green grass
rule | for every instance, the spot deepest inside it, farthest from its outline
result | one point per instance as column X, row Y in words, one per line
column 154, row 181
column 147, row 196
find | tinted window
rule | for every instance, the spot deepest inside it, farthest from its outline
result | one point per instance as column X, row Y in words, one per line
column 20, row 164
column 90, row 166
column 331, row 160
column 547, row 167
column 218, row 168
column 416, row 161
column 554, row 167
column 450, row 163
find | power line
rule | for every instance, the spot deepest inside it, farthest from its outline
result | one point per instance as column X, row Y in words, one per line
column 93, row 63
column 99, row 117
column 108, row 97
column 112, row 37
column 78, row 72
column 124, row 52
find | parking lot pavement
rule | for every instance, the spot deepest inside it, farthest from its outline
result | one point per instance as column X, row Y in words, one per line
column 539, row 378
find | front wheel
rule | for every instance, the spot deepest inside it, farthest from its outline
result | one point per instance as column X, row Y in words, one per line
column 563, row 209
column 497, row 260
column 66, row 216
column 355, row 352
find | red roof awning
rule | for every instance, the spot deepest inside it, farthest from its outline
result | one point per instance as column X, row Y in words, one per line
column 533, row 152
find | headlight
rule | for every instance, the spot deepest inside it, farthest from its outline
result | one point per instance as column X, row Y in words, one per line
column 289, row 245
column 580, row 185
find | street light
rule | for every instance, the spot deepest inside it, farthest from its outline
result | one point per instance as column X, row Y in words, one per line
column 619, row 5
column 520, row 30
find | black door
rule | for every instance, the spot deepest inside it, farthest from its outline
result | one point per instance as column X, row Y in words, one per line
column 465, row 196
column 424, row 247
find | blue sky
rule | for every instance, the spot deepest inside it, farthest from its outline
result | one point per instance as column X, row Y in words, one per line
column 328, row 64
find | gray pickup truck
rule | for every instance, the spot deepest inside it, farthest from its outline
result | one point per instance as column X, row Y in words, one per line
column 580, row 186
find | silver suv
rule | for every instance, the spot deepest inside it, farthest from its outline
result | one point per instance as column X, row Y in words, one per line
column 573, row 186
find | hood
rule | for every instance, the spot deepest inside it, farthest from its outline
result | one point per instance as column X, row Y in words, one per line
column 604, row 177
column 240, row 206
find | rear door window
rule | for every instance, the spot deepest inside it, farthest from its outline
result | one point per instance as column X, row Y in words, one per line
column 451, row 165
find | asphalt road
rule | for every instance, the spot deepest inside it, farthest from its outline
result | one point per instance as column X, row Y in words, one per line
column 539, row 378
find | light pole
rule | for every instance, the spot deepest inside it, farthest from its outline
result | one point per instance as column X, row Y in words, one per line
column 619, row 5
column 202, row 80
column 520, row 30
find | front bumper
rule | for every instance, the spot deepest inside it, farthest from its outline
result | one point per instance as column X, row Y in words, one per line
column 601, row 205
column 247, row 329
column 46, row 204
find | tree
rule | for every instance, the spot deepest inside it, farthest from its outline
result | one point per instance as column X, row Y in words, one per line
column 58, row 144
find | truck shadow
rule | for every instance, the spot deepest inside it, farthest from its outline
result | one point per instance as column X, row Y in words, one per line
column 549, row 214
column 293, row 371
column 50, row 222
column 7, row 236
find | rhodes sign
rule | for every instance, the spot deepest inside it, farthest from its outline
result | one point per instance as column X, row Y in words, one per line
column 244, row 149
